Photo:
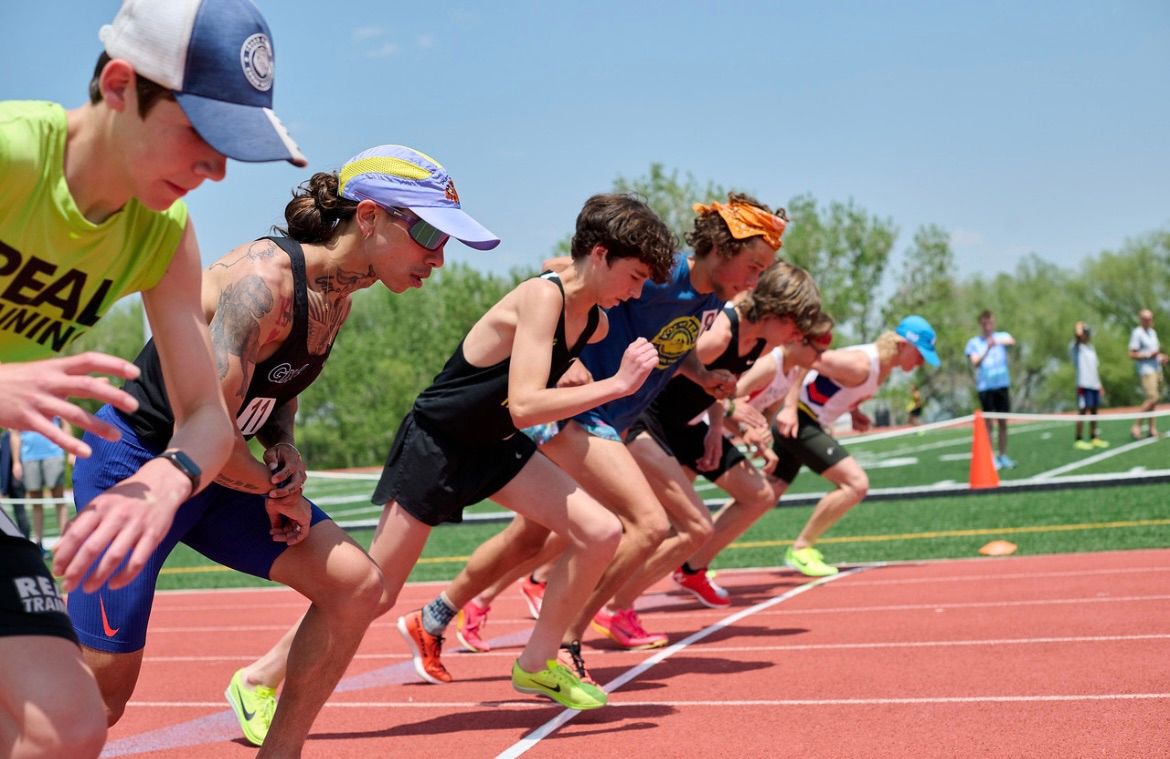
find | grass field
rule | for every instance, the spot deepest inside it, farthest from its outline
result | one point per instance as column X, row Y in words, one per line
column 1078, row 518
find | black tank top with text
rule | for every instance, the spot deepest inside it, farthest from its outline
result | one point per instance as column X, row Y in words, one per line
column 682, row 400
column 470, row 403
column 275, row 380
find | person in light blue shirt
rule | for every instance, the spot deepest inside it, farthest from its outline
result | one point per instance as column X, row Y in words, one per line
column 39, row 464
column 988, row 354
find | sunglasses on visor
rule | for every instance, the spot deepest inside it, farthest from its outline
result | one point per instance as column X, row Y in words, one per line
column 420, row 231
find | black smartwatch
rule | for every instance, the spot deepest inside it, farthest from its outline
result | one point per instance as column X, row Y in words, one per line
column 185, row 465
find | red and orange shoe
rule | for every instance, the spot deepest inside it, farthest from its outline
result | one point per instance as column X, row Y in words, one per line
column 624, row 627
column 426, row 650
column 533, row 593
column 707, row 591
column 468, row 626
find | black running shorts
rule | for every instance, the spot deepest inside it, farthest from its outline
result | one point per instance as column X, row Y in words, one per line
column 812, row 447
column 686, row 443
column 434, row 477
column 29, row 601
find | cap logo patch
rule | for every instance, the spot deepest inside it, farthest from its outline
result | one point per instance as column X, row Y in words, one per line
column 451, row 194
column 256, row 60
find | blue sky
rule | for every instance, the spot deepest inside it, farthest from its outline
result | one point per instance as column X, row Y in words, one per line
column 1018, row 127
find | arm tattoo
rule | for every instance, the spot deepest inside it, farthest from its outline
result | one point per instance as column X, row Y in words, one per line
column 279, row 427
column 235, row 328
column 255, row 251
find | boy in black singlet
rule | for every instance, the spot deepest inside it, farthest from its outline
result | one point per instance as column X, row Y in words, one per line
column 460, row 442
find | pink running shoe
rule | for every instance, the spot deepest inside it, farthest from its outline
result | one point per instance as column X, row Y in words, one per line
column 468, row 626
column 702, row 587
column 533, row 593
column 624, row 627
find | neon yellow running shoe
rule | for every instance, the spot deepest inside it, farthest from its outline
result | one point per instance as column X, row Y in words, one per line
column 254, row 707
column 809, row 562
column 559, row 684
column 1083, row 445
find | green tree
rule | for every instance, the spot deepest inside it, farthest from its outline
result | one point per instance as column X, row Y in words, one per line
column 847, row 251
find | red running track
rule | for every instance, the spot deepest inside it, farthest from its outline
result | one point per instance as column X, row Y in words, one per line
column 1062, row 656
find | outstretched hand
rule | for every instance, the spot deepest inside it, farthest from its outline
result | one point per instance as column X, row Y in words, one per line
column 129, row 519
column 34, row 392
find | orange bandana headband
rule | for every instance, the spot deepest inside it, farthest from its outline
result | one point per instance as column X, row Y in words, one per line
column 745, row 220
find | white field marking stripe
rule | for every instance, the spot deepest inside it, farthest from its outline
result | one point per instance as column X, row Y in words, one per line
column 1082, row 463
column 529, row 741
column 760, row 608
column 935, row 643
column 973, row 605
column 1016, row 576
column 735, row 704
column 757, row 649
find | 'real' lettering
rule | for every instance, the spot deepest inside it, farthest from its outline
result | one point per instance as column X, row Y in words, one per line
column 26, row 279
column 33, row 288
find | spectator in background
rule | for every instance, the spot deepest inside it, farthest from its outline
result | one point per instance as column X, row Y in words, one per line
column 39, row 464
column 12, row 487
column 1089, row 389
column 914, row 406
column 1146, row 352
column 987, row 352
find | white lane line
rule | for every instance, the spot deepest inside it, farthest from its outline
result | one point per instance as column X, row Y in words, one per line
column 1010, row 576
column 529, row 705
column 1082, row 463
column 529, row 741
column 511, row 654
column 971, row 605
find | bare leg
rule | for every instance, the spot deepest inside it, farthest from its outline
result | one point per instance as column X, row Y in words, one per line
column 752, row 497
column 62, row 511
column 852, row 485
column 540, row 563
column 116, row 674
column 1003, row 436
column 38, row 517
column 687, row 513
column 344, row 586
column 49, row 703
column 543, row 492
column 497, row 559
column 607, row 470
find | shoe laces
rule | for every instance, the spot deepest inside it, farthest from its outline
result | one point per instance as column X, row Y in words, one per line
column 266, row 709
column 578, row 661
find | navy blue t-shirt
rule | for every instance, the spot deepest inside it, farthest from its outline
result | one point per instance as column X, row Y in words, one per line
column 671, row 316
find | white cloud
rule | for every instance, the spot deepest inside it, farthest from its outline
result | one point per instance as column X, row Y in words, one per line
column 386, row 50
column 426, row 41
column 367, row 33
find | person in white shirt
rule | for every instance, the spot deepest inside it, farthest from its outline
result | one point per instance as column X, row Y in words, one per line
column 1148, row 357
column 1089, row 388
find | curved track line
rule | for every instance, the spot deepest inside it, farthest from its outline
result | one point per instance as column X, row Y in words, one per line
column 529, row 741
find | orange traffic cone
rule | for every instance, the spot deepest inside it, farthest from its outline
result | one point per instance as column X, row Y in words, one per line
column 983, row 474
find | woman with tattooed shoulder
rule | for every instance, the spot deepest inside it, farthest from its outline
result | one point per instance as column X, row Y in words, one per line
column 275, row 306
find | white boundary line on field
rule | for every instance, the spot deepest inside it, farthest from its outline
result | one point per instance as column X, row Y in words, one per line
column 529, row 741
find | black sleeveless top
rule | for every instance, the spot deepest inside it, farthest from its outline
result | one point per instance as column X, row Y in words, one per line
column 275, row 380
column 470, row 403
column 682, row 400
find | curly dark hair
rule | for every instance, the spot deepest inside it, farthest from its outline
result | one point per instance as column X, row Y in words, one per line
column 786, row 290
column 711, row 232
column 316, row 210
column 626, row 228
